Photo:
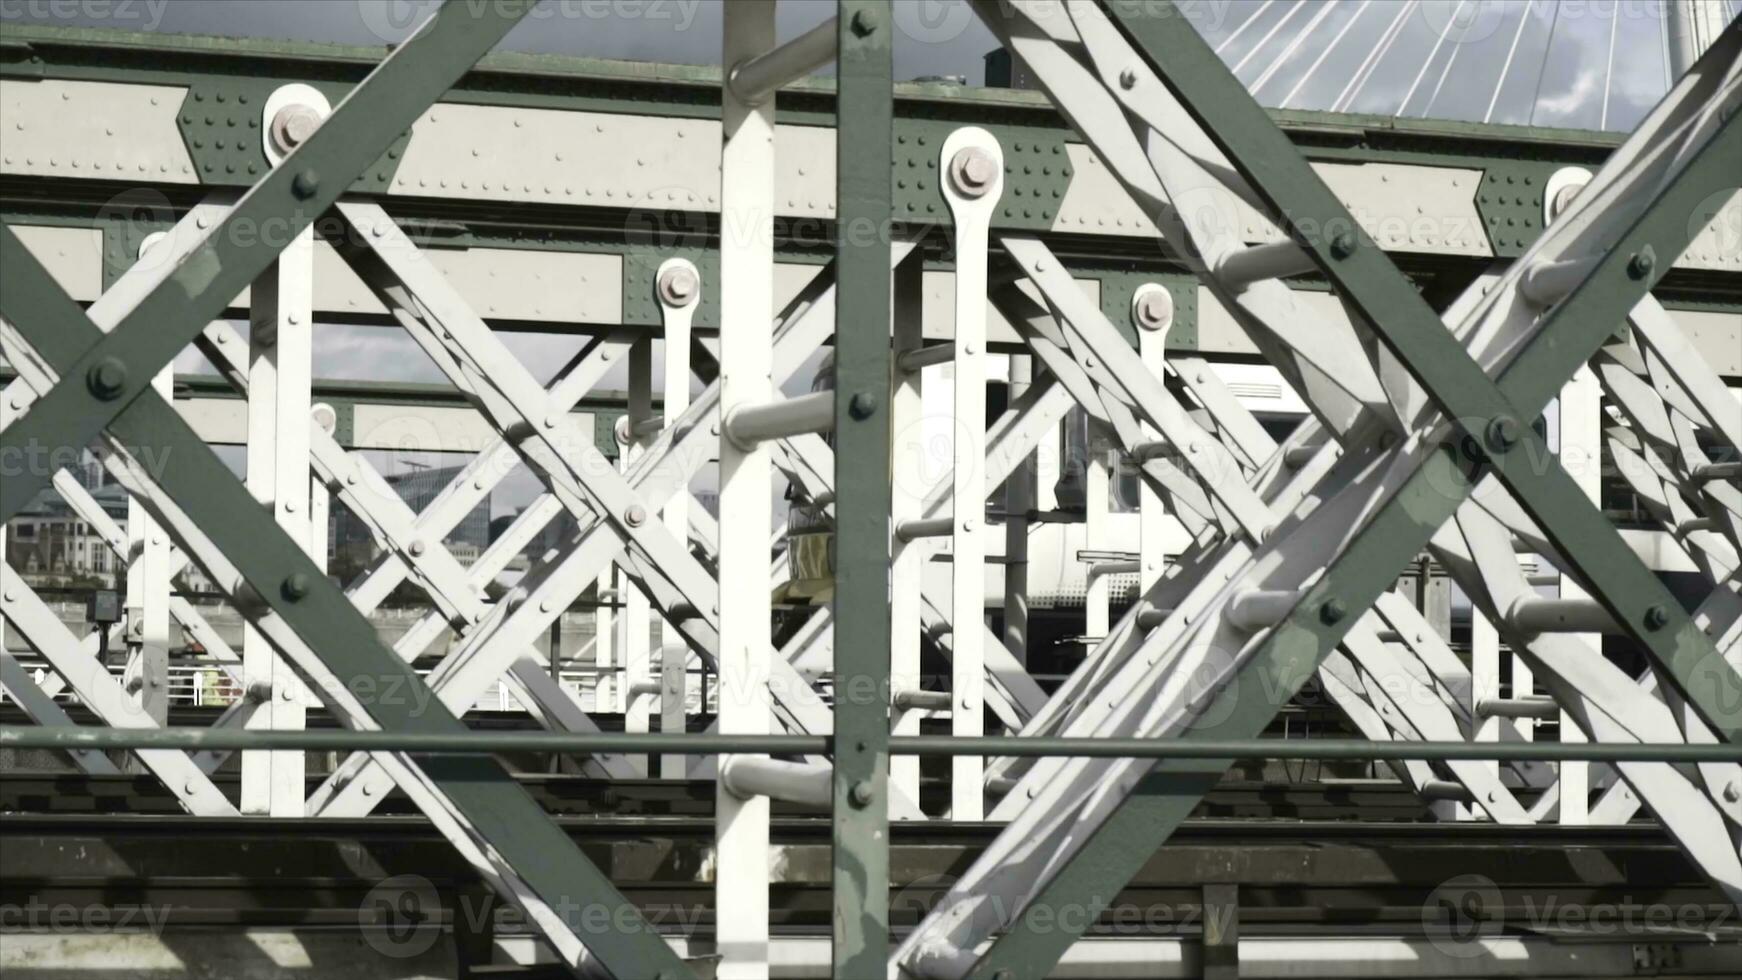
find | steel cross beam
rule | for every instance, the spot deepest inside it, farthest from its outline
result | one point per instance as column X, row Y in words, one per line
column 1306, row 632
column 1392, row 308
column 310, row 621
column 120, row 366
column 1114, row 379
column 864, row 151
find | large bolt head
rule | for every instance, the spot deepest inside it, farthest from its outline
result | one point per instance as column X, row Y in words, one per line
column 1154, row 309
column 679, row 286
column 973, row 171
column 293, row 125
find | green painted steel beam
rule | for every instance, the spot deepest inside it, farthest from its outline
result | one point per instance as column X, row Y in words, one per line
column 282, row 575
column 1292, row 651
column 68, row 738
column 119, row 366
column 1496, row 416
column 864, row 149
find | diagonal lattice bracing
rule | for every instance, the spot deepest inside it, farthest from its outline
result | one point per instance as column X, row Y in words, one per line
column 944, row 945
column 496, row 825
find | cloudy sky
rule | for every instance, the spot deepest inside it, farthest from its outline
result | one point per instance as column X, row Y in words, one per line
column 1548, row 61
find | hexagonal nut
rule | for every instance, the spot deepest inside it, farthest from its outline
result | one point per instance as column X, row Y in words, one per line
column 293, row 125
column 679, row 285
column 973, row 172
column 1153, row 308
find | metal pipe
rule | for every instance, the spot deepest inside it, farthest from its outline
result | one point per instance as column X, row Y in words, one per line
column 1541, row 615
column 1546, row 283
column 1150, row 618
column 755, row 80
column 1445, row 789
column 1708, row 472
column 751, row 424
column 913, row 699
column 925, row 527
column 1242, row 267
column 1256, row 609
column 748, row 776
column 1143, row 452
column 1693, row 524
column 1518, row 708
column 925, row 357
column 697, row 743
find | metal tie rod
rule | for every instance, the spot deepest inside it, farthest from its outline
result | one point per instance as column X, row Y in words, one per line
column 925, row 527
column 924, row 357
column 1543, row 615
column 755, row 79
column 748, row 425
column 749, row 776
column 1241, row 267
column 1518, row 708
column 1547, row 282
column 1252, row 610
column 1712, row 472
column 914, row 699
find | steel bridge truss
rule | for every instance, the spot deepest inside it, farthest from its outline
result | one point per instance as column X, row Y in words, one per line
column 1420, row 437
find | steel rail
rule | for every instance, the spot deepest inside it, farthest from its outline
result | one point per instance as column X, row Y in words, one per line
column 482, row 743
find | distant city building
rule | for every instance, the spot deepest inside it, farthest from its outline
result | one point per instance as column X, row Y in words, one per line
column 47, row 539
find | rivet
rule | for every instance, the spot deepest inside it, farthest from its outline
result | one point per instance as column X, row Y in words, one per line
column 295, row 587
column 107, row 378
column 1502, row 433
column 1332, row 611
column 635, row 515
column 1643, row 261
column 1656, row 617
column 1128, row 78
column 863, row 405
column 863, row 792
column 306, row 184
column 1343, row 245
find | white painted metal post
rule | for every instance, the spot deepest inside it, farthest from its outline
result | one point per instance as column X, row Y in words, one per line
column 974, row 164
column 678, row 288
column 1580, row 451
column 605, row 684
column 281, row 350
column 638, row 684
column 746, row 484
column 1152, row 311
column 147, row 672
column 1099, row 577
column 908, row 489
column 1018, row 501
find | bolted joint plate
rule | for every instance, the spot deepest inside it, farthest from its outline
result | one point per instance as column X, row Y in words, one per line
column 1037, row 172
column 220, row 124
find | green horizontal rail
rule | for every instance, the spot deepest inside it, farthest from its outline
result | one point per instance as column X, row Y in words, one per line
column 476, row 743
